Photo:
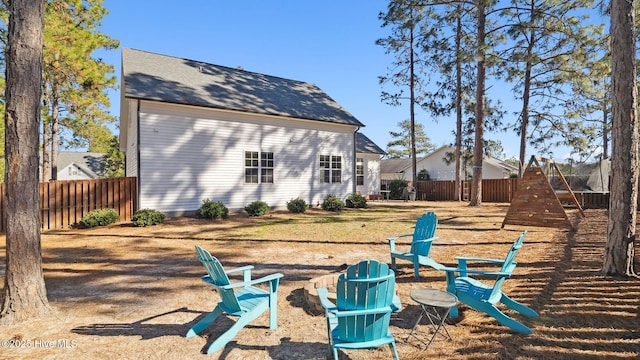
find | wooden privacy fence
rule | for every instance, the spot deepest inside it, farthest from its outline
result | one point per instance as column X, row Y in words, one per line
column 64, row 203
column 493, row 190
column 498, row 190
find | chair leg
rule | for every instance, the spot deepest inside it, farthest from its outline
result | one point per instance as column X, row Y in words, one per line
column 454, row 312
column 416, row 269
column 242, row 321
column 335, row 354
column 392, row 345
column 205, row 322
column 522, row 309
column 506, row 320
column 273, row 311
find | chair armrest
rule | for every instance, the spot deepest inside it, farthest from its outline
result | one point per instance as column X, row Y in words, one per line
column 431, row 239
column 494, row 261
column 394, row 238
column 242, row 268
column 246, row 270
column 397, row 304
column 392, row 241
column 323, row 296
column 380, row 310
column 264, row 279
column 464, row 271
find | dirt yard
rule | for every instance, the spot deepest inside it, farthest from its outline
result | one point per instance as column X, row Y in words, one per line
column 122, row 292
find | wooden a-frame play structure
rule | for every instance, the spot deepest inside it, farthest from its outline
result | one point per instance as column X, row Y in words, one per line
column 535, row 203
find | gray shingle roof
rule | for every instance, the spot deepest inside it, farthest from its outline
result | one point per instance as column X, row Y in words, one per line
column 89, row 162
column 390, row 166
column 366, row 146
column 151, row 76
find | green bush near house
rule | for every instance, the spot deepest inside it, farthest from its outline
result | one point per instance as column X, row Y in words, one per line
column 212, row 210
column 332, row 203
column 147, row 217
column 257, row 208
column 297, row 205
column 395, row 187
column 99, row 217
column 356, row 200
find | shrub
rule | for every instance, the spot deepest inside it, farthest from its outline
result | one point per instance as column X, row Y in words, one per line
column 147, row 217
column 395, row 187
column 99, row 217
column 356, row 200
column 423, row 175
column 212, row 210
column 297, row 205
column 257, row 208
column 332, row 203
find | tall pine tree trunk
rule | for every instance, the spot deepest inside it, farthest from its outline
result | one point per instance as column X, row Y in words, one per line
column 55, row 121
column 24, row 292
column 478, row 151
column 526, row 95
column 46, row 163
column 458, row 180
column 619, row 251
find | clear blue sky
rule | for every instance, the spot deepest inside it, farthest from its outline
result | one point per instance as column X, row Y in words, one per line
column 330, row 43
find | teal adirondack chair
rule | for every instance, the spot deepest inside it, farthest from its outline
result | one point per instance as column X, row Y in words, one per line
column 360, row 318
column 240, row 299
column 484, row 297
column 421, row 241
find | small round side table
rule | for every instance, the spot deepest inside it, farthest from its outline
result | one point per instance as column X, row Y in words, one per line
column 430, row 300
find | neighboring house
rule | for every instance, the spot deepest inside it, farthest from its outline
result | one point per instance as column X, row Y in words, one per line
column 438, row 169
column 367, row 165
column 193, row 131
column 79, row 165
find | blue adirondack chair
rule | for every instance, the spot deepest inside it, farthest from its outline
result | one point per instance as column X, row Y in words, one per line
column 421, row 241
column 240, row 299
column 484, row 297
column 364, row 303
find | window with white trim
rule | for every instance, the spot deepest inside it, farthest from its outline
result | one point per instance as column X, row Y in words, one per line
column 330, row 169
column 258, row 167
column 359, row 171
column 266, row 167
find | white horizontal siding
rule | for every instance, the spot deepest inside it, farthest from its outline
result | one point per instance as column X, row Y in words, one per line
column 188, row 154
column 371, row 174
column 131, row 153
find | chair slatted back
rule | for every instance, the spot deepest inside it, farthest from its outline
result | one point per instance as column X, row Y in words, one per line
column 425, row 228
column 219, row 278
column 366, row 285
column 508, row 266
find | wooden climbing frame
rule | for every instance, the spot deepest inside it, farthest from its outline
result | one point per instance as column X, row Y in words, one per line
column 535, row 203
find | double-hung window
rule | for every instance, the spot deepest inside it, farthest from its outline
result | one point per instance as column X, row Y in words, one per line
column 258, row 167
column 266, row 167
column 330, row 169
column 359, row 171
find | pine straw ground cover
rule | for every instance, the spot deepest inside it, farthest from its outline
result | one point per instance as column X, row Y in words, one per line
column 121, row 292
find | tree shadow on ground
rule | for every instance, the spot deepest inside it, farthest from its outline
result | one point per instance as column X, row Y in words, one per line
column 141, row 327
column 286, row 350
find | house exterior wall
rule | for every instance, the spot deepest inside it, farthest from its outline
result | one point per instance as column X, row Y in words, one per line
column 131, row 149
column 492, row 172
column 73, row 172
column 188, row 154
column 440, row 170
column 371, row 174
column 436, row 167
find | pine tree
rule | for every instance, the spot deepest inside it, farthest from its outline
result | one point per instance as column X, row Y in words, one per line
column 24, row 294
column 400, row 145
column 619, row 250
column 549, row 46
column 75, row 83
